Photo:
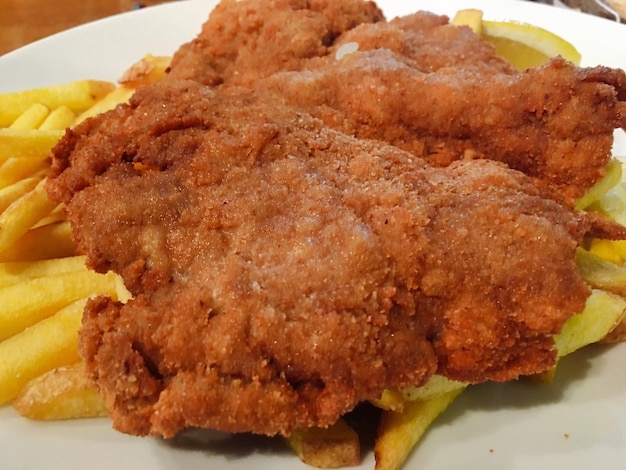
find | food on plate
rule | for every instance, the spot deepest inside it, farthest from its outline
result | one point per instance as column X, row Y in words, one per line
column 523, row 45
column 328, row 251
column 61, row 393
column 335, row 446
column 306, row 228
column 43, row 286
column 78, row 96
column 399, row 432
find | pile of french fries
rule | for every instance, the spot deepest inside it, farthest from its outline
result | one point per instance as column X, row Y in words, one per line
column 44, row 285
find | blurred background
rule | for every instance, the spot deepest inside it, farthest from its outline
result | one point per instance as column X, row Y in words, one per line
column 25, row 21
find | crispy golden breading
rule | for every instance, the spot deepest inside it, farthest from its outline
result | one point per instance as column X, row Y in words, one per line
column 287, row 262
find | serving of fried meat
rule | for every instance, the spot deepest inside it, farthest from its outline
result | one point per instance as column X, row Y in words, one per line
column 317, row 204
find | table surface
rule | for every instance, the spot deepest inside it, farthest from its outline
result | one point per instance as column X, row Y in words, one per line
column 25, row 21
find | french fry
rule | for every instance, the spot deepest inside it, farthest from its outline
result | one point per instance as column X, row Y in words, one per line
column 602, row 313
column 27, row 143
column 612, row 176
column 398, row 433
column 617, row 334
column 116, row 96
column 390, row 400
column 148, row 70
column 332, row 447
column 56, row 215
column 11, row 193
column 13, row 170
column 21, row 271
column 32, row 117
column 59, row 119
column 49, row 344
column 78, row 96
column 63, row 393
column 470, row 17
column 20, row 216
column 600, row 273
column 29, row 302
column 437, row 385
column 49, row 241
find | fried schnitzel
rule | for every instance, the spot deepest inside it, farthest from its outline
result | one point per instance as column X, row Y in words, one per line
column 292, row 250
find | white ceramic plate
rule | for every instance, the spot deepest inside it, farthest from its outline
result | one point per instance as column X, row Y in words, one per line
column 578, row 422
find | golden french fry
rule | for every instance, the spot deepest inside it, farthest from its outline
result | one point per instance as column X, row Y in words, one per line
column 27, row 143
column 78, row 96
column 600, row 273
column 436, row 385
column 399, row 432
column 609, row 250
column 29, row 302
column 63, row 393
column 32, row 117
column 48, row 344
column 12, row 170
column 49, row 241
column 110, row 101
column 390, row 400
column 56, row 215
column 617, row 334
column 59, row 119
column 20, row 216
column 469, row 17
column 20, row 271
column 11, row 193
column 148, row 70
column 612, row 176
column 332, row 447
column 602, row 313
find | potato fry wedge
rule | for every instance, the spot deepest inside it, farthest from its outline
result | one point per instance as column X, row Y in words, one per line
column 59, row 119
column 13, row 170
column 600, row 273
column 27, row 143
column 602, row 314
column 332, row 447
column 22, row 271
column 612, row 176
column 148, row 70
column 617, row 334
column 49, row 344
column 32, row 117
column 437, row 385
column 390, row 400
column 470, row 17
column 11, row 193
column 399, row 432
column 63, row 393
column 20, row 216
column 29, row 302
column 117, row 96
column 49, row 241
column 78, row 96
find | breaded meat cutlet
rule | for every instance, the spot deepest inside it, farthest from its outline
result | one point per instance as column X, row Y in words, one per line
column 285, row 269
column 284, row 272
column 434, row 89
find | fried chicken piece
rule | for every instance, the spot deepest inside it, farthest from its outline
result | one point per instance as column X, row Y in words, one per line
column 291, row 250
column 429, row 87
column 244, row 41
column 283, row 271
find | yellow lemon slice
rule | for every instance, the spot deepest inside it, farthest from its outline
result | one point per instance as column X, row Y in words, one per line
column 523, row 45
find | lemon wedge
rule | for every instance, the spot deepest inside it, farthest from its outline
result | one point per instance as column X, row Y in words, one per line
column 523, row 45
